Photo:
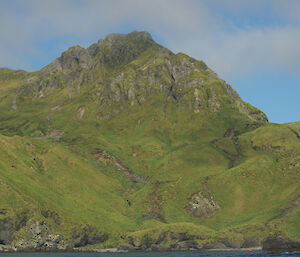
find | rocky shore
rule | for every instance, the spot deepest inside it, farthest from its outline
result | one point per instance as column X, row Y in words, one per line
column 22, row 235
column 39, row 238
column 277, row 243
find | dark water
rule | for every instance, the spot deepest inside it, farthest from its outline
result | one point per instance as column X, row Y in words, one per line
column 156, row 254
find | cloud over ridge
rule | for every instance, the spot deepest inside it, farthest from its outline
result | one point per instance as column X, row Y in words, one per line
column 207, row 30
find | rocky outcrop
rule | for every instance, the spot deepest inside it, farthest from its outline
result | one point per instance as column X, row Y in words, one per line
column 9, row 225
column 87, row 235
column 251, row 112
column 186, row 241
column 40, row 238
column 114, row 49
column 176, row 79
column 7, row 229
column 118, row 49
column 73, row 59
column 200, row 206
column 277, row 242
column 36, row 235
column 165, row 241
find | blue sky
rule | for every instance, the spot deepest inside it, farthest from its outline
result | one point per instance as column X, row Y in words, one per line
column 252, row 44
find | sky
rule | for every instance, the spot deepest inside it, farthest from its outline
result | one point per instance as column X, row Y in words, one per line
column 254, row 45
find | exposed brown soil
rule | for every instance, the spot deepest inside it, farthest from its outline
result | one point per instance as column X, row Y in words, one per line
column 107, row 158
column 156, row 203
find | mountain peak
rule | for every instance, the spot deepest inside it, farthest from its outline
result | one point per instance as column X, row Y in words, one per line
column 141, row 36
column 135, row 69
column 117, row 49
column 153, row 146
column 113, row 50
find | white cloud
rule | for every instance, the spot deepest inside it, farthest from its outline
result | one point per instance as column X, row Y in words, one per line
column 257, row 50
column 185, row 25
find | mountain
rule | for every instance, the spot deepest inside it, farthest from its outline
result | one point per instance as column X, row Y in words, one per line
column 127, row 145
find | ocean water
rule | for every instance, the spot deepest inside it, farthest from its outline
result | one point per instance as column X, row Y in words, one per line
column 156, row 254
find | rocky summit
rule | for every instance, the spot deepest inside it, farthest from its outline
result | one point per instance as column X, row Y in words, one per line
column 127, row 145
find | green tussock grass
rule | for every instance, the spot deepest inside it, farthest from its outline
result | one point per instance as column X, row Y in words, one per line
column 157, row 137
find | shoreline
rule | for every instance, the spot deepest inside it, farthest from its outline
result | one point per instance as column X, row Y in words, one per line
column 274, row 249
column 116, row 250
column 257, row 248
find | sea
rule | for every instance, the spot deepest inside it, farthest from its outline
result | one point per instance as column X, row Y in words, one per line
column 157, row 254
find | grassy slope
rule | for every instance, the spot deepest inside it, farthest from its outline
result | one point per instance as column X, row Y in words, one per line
column 168, row 146
column 44, row 176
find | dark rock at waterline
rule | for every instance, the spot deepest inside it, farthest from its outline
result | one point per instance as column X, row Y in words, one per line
column 214, row 245
column 251, row 242
column 88, row 236
column 186, row 245
column 280, row 243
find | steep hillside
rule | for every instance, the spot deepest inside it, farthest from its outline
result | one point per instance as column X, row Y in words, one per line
column 125, row 144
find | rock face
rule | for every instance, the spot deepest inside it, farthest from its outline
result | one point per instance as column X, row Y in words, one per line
column 7, row 229
column 181, row 78
column 40, row 238
column 74, row 59
column 166, row 241
column 114, row 49
column 185, row 241
column 200, row 206
column 280, row 243
column 10, row 225
column 88, row 236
